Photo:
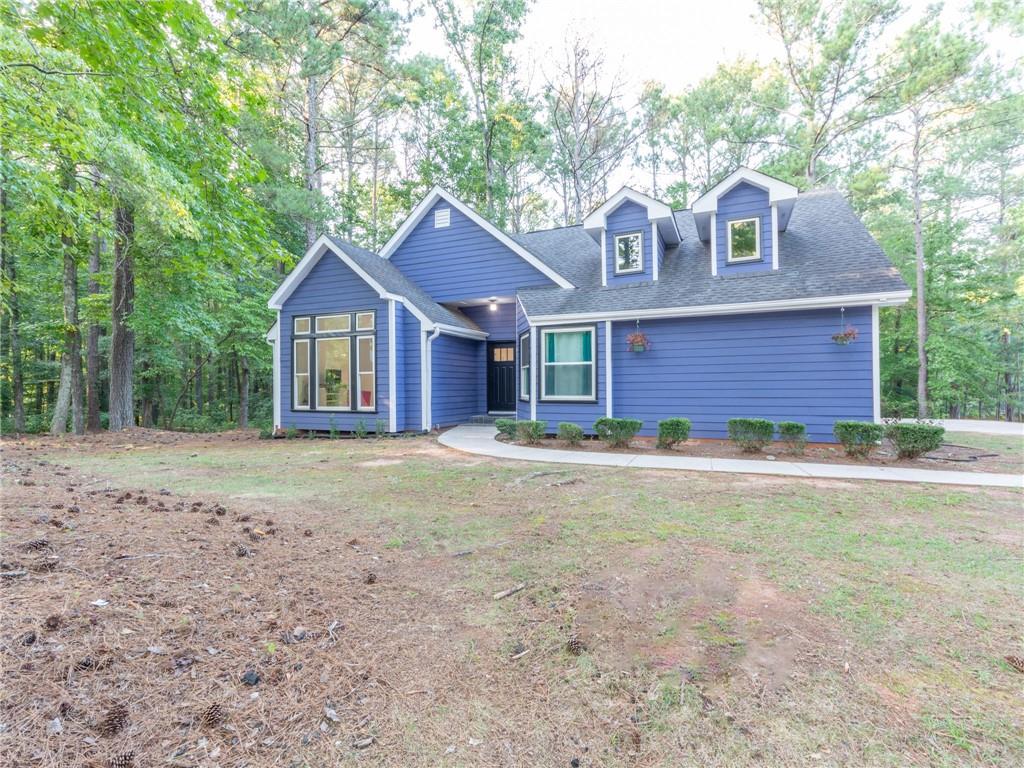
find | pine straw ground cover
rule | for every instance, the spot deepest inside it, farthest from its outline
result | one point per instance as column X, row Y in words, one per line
column 178, row 600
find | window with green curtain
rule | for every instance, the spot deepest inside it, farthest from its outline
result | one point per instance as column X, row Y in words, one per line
column 569, row 364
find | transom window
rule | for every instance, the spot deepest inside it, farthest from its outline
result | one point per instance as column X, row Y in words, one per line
column 629, row 253
column 341, row 355
column 744, row 239
column 524, row 367
column 567, row 364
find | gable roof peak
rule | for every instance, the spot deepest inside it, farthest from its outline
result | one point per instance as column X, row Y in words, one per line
column 657, row 212
column 777, row 189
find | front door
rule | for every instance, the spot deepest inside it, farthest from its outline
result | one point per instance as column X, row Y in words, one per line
column 501, row 376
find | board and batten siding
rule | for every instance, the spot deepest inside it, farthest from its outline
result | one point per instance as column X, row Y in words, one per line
column 457, row 371
column 500, row 324
column 331, row 287
column 626, row 218
column 462, row 261
column 743, row 202
column 780, row 366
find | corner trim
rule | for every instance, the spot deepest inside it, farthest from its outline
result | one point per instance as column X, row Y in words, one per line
column 604, row 258
column 775, row 237
column 533, row 373
column 276, row 389
column 392, row 373
column 876, row 369
column 713, row 229
column 654, row 251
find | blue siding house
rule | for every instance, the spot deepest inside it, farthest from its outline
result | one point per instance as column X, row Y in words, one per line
column 739, row 297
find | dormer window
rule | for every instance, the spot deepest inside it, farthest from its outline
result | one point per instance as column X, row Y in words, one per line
column 629, row 250
column 744, row 240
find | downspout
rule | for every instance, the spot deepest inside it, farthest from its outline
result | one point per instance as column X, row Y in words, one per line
column 430, row 378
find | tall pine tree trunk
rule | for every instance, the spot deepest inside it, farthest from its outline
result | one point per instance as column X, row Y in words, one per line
column 922, row 317
column 312, row 148
column 122, row 337
column 13, row 318
column 243, row 393
column 92, row 348
column 70, row 393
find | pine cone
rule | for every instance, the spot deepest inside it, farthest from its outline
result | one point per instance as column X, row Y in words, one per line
column 35, row 545
column 575, row 646
column 123, row 760
column 115, row 719
column 242, row 551
column 212, row 716
column 1017, row 662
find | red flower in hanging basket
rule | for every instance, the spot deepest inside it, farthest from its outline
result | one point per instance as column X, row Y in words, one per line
column 845, row 337
column 638, row 342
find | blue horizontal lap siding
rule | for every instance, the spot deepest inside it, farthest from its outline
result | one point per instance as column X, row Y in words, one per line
column 628, row 217
column 410, row 395
column 742, row 202
column 500, row 324
column 462, row 261
column 780, row 366
column 457, row 371
column 331, row 287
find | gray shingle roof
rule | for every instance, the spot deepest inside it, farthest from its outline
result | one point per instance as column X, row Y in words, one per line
column 569, row 251
column 825, row 251
column 387, row 274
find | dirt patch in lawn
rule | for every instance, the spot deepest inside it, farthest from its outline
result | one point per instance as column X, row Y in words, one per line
column 951, row 456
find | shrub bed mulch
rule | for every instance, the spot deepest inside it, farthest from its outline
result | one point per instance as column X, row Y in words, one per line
column 950, row 457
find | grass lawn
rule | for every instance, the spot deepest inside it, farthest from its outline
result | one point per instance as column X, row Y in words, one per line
column 718, row 620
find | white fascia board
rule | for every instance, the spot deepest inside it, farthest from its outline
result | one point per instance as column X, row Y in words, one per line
column 887, row 299
column 440, row 194
column 467, row 333
column 273, row 334
column 656, row 210
column 777, row 189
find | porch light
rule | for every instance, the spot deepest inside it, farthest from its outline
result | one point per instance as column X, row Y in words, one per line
column 494, row 303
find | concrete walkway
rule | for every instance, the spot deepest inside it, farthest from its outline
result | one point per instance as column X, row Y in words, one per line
column 480, row 439
column 984, row 427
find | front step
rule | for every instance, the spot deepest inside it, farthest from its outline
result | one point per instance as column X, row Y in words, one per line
column 489, row 418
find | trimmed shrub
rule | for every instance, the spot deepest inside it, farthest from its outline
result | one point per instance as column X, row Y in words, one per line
column 793, row 434
column 913, row 440
column 858, row 437
column 617, row 432
column 506, row 427
column 571, row 433
column 673, row 431
column 751, row 435
column 530, row 432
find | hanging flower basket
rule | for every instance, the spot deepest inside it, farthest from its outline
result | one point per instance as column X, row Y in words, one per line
column 845, row 337
column 638, row 342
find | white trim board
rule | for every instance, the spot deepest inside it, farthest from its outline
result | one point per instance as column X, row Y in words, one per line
column 892, row 298
column 776, row 189
column 876, row 369
column 437, row 193
column 657, row 211
column 392, row 365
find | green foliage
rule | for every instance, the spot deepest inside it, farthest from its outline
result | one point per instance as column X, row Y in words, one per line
column 673, row 431
column 571, row 433
column 794, row 435
column 380, row 427
column 506, row 427
column 617, row 432
column 291, row 433
column 859, row 438
column 530, row 432
column 751, row 435
column 360, row 430
column 913, row 440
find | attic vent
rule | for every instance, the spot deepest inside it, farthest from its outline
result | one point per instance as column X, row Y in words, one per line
column 442, row 217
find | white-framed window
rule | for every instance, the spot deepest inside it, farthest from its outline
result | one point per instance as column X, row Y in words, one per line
column 744, row 237
column 568, row 370
column 301, row 325
column 334, row 323
column 300, row 378
column 629, row 253
column 364, row 321
column 365, row 372
column 333, row 374
column 524, row 367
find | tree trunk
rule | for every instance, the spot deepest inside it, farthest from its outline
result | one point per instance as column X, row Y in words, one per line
column 312, row 148
column 922, row 318
column 71, row 357
column 198, row 385
column 122, row 337
column 92, row 349
column 14, row 318
column 243, row 393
